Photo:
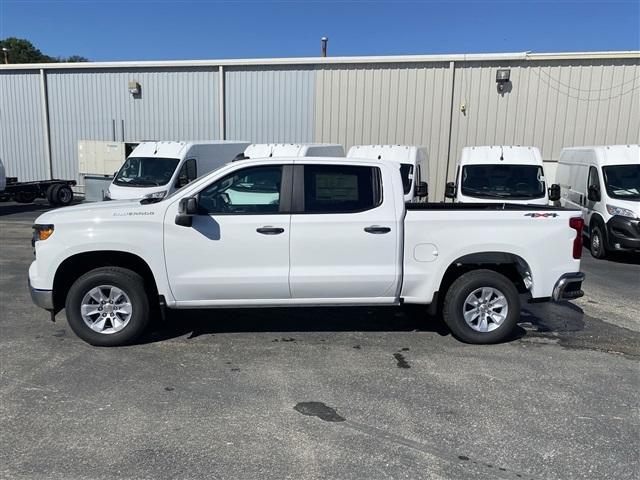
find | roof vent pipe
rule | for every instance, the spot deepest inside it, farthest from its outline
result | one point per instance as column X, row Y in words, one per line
column 323, row 43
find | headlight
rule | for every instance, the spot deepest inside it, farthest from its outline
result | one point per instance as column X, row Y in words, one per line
column 157, row 195
column 41, row 232
column 623, row 212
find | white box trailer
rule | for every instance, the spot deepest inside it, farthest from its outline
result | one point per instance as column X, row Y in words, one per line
column 413, row 161
column 266, row 150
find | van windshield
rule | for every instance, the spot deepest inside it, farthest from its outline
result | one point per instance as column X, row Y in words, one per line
column 622, row 181
column 406, row 172
column 146, row 171
column 520, row 182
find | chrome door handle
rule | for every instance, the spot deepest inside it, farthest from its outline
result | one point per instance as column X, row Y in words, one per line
column 270, row 230
column 377, row 229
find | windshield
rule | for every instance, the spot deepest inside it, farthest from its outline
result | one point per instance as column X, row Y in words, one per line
column 146, row 171
column 518, row 182
column 406, row 171
column 622, row 181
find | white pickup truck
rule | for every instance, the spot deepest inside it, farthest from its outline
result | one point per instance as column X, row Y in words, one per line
column 301, row 232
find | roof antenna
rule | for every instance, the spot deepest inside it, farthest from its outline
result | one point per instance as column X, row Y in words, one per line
column 501, row 153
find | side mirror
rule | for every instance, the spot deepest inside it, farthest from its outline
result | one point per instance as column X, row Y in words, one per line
column 593, row 193
column 422, row 189
column 187, row 208
column 450, row 190
column 554, row 192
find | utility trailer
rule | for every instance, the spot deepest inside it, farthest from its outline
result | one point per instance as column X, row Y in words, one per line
column 57, row 192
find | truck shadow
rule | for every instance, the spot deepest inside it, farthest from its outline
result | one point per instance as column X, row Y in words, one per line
column 196, row 323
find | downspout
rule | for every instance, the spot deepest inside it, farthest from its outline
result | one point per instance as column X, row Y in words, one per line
column 221, row 105
column 452, row 68
column 45, row 121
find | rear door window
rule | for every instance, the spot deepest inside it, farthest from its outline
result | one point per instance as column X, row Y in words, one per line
column 341, row 188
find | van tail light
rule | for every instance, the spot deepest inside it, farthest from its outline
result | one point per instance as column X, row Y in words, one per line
column 577, row 224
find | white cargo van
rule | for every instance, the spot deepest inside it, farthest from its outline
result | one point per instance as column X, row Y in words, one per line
column 604, row 182
column 502, row 173
column 266, row 150
column 157, row 169
column 413, row 160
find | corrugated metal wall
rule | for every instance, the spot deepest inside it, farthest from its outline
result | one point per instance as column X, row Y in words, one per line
column 96, row 105
column 551, row 105
column 269, row 105
column 22, row 141
column 387, row 104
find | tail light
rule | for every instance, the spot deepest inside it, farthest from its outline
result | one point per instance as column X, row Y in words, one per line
column 577, row 224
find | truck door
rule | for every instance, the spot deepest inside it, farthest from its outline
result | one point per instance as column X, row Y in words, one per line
column 238, row 245
column 344, row 234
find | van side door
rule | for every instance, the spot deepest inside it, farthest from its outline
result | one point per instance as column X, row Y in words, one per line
column 345, row 234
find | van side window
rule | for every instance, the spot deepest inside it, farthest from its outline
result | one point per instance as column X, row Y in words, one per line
column 250, row 191
column 593, row 177
column 341, row 188
column 188, row 173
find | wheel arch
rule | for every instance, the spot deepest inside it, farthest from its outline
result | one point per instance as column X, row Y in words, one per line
column 511, row 265
column 77, row 265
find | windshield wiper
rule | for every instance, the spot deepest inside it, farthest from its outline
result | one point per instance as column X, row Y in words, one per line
column 486, row 194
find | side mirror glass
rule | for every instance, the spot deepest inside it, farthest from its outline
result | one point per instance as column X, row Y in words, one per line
column 554, row 192
column 422, row 189
column 450, row 190
column 593, row 193
column 187, row 208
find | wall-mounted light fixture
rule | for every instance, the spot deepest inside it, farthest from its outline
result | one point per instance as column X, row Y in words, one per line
column 502, row 79
column 134, row 88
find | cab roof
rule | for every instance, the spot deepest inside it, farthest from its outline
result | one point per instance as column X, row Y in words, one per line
column 173, row 149
column 603, row 154
column 501, row 154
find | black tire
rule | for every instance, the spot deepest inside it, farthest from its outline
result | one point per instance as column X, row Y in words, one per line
column 454, row 306
column 126, row 280
column 25, row 197
column 60, row 195
column 597, row 243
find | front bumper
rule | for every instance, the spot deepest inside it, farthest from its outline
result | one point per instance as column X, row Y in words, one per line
column 568, row 287
column 42, row 298
column 623, row 233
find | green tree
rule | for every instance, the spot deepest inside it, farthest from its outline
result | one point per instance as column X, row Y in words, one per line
column 23, row 51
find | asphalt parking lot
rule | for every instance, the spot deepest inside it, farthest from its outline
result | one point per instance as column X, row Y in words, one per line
column 351, row 393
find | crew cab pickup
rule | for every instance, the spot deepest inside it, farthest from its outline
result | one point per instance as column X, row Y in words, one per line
column 301, row 232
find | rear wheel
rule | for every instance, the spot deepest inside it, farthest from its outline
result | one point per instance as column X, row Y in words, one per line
column 25, row 197
column 108, row 306
column 482, row 306
column 597, row 244
column 60, row 195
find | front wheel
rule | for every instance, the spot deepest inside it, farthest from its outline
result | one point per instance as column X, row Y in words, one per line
column 482, row 306
column 597, row 244
column 108, row 306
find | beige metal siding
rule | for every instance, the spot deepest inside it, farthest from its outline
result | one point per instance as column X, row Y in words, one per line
column 22, row 143
column 551, row 105
column 386, row 104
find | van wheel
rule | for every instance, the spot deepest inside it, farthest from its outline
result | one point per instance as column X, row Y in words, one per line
column 597, row 245
column 108, row 306
column 482, row 306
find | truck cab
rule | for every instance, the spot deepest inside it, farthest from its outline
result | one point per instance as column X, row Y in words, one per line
column 604, row 182
column 412, row 160
column 499, row 174
column 155, row 170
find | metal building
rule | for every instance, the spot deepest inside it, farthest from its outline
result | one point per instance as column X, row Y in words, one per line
column 444, row 102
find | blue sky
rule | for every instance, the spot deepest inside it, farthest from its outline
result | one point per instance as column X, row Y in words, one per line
column 152, row 30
